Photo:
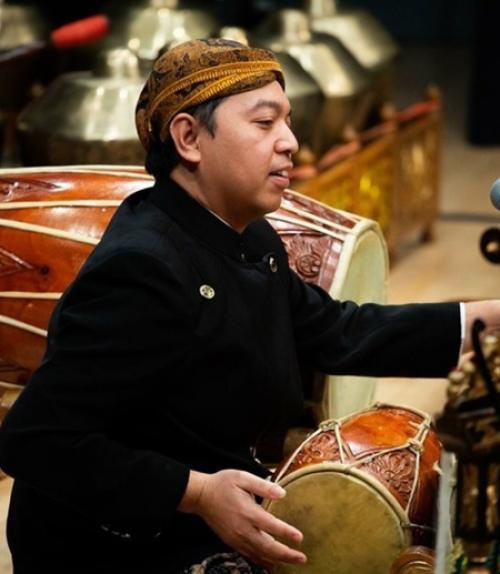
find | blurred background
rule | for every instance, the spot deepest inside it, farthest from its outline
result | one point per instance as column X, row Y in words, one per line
column 396, row 106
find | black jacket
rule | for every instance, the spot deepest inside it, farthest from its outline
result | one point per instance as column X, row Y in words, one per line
column 146, row 376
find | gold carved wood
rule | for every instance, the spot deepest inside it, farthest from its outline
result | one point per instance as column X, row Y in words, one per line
column 393, row 179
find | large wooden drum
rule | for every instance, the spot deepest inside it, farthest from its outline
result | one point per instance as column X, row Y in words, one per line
column 51, row 218
column 361, row 489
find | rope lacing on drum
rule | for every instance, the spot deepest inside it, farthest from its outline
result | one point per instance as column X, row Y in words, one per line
column 14, row 205
column 333, row 425
column 328, row 425
column 23, row 326
column 51, row 231
column 307, row 224
column 415, row 444
column 9, row 321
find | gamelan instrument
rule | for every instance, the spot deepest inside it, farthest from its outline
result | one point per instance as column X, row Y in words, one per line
column 469, row 427
column 362, row 489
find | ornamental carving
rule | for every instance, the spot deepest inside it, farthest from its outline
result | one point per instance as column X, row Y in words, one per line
column 308, row 265
column 323, row 447
column 396, row 470
column 307, row 253
column 11, row 263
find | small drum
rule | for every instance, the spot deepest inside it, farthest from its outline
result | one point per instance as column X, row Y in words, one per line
column 51, row 218
column 361, row 489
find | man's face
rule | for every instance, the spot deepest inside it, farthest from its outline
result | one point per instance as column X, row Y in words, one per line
column 244, row 166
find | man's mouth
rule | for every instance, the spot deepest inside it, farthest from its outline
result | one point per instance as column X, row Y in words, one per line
column 281, row 173
column 281, row 177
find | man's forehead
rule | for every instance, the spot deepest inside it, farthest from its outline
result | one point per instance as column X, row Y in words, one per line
column 271, row 96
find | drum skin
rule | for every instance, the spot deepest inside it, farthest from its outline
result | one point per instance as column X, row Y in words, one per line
column 361, row 489
column 51, row 218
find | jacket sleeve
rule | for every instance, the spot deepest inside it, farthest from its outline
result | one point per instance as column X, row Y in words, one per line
column 70, row 434
column 414, row 340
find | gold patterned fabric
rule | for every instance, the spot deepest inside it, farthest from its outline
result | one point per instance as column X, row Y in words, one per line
column 195, row 72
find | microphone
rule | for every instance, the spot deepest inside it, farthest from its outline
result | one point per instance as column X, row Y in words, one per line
column 489, row 243
column 495, row 194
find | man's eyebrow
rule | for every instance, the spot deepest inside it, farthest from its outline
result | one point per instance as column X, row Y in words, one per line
column 268, row 104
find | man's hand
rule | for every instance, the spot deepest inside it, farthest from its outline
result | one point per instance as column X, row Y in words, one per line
column 226, row 501
column 488, row 311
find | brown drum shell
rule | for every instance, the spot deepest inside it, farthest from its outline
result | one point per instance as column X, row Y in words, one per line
column 369, row 433
column 33, row 262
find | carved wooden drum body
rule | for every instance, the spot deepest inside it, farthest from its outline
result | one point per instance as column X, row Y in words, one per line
column 346, row 255
column 361, row 489
column 51, row 218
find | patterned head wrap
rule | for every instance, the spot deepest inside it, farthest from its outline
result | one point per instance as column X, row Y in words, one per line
column 195, row 72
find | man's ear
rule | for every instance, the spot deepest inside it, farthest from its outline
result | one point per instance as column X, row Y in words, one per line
column 184, row 131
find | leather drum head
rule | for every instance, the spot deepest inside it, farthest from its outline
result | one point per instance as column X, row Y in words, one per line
column 349, row 524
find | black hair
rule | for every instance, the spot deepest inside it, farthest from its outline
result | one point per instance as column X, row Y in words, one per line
column 162, row 157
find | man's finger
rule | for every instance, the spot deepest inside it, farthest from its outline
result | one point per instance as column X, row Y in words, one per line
column 260, row 487
column 275, row 527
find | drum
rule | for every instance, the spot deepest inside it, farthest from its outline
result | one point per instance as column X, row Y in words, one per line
column 346, row 255
column 51, row 218
column 361, row 489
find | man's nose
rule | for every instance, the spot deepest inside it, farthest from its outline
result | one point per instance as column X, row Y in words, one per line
column 288, row 142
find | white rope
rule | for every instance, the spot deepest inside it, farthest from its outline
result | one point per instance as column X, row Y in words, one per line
column 306, row 224
column 28, row 295
column 291, row 458
column 23, row 326
column 315, row 217
column 60, row 203
column 418, row 440
column 339, row 442
column 118, row 170
column 43, row 230
column 10, row 386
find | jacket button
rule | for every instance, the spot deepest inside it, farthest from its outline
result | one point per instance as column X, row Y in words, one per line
column 273, row 264
column 207, row 292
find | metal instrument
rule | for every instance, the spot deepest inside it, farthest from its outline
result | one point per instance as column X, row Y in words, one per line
column 150, row 26
column 363, row 36
column 86, row 117
column 344, row 84
column 19, row 25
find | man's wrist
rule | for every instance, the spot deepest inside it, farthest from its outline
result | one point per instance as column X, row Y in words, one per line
column 190, row 501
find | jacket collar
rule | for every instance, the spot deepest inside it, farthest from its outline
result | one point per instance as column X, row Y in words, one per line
column 197, row 220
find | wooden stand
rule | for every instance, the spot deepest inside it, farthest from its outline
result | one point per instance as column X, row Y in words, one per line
column 390, row 173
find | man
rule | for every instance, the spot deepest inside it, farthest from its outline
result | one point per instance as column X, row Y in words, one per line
column 178, row 344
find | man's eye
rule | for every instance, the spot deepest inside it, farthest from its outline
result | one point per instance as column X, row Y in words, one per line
column 266, row 123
